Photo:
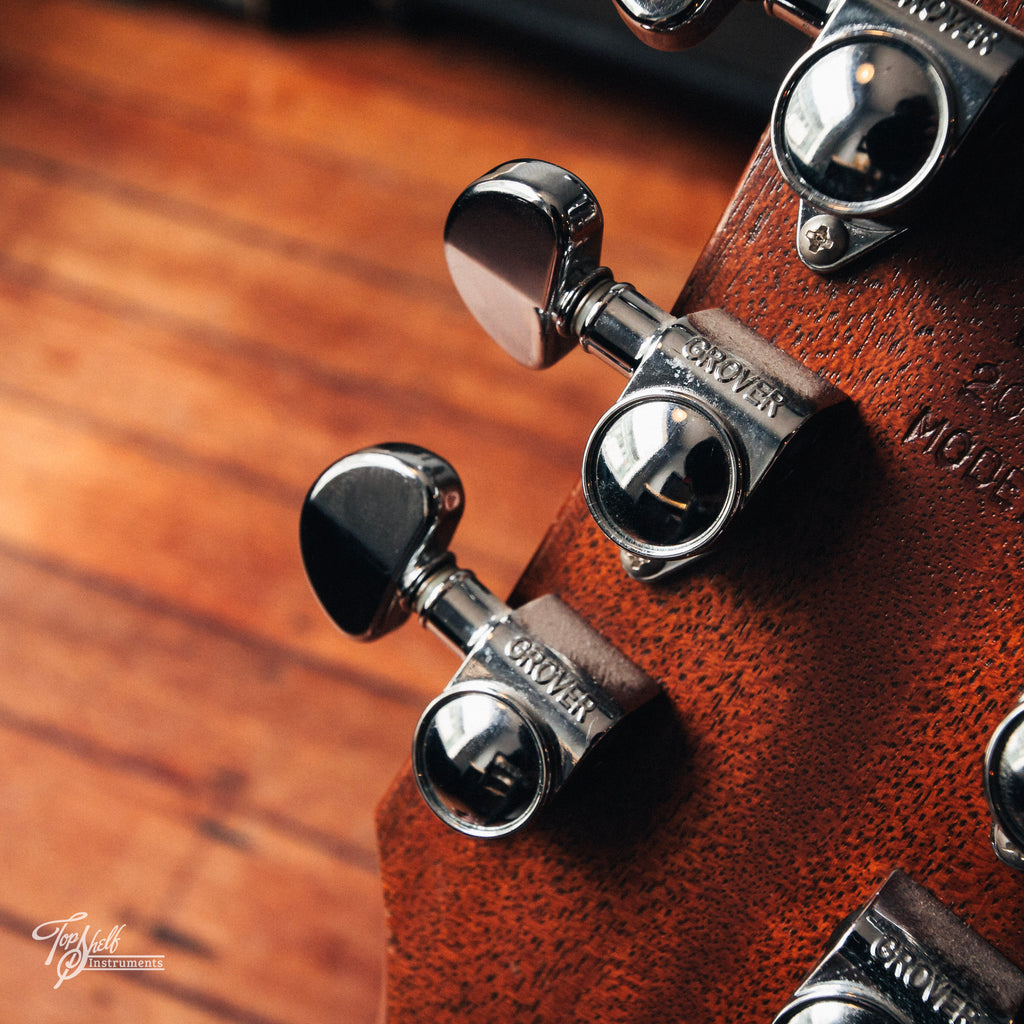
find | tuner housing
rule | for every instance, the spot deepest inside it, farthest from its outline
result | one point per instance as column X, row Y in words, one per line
column 867, row 119
column 709, row 409
column 907, row 959
column 1004, row 787
column 535, row 713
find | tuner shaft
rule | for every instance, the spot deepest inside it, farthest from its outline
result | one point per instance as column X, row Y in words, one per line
column 459, row 609
column 616, row 323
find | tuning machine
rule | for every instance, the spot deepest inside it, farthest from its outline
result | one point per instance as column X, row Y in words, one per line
column 538, row 687
column 870, row 115
column 1004, row 787
column 907, row 959
column 710, row 405
column 867, row 118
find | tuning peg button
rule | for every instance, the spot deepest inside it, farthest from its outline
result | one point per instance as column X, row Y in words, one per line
column 519, row 242
column 364, row 565
column 673, row 24
column 538, row 687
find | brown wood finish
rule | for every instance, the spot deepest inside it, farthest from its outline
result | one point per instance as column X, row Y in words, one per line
column 832, row 674
column 221, row 269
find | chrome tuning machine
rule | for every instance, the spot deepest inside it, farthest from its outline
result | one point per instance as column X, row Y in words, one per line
column 875, row 109
column 538, row 687
column 710, row 404
column 1004, row 787
column 907, row 959
column 872, row 112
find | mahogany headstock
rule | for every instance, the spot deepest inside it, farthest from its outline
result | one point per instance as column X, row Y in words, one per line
column 831, row 676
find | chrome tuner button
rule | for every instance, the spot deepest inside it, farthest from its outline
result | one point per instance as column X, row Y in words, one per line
column 364, row 565
column 538, row 687
column 906, row 959
column 868, row 117
column 673, row 24
column 518, row 242
column 710, row 405
column 1004, row 787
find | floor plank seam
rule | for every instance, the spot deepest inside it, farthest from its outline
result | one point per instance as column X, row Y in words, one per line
column 280, row 653
column 278, row 358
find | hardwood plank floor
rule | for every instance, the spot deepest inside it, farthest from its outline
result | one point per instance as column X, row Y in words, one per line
column 221, row 269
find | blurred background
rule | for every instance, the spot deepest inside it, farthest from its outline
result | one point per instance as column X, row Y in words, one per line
column 220, row 270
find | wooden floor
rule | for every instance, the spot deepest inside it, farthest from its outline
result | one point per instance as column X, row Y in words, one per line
column 221, row 269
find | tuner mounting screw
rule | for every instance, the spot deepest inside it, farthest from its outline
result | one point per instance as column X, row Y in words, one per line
column 822, row 240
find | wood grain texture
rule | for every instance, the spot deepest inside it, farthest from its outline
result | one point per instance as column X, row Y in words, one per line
column 832, row 674
column 220, row 270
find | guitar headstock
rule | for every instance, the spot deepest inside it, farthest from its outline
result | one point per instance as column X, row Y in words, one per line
column 831, row 673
